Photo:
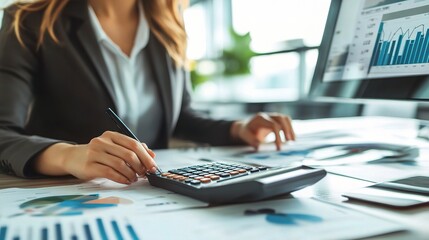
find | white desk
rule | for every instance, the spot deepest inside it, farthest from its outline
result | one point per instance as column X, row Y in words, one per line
column 329, row 188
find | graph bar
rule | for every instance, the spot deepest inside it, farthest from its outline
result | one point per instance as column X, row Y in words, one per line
column 410, row 55
column 3, row 231
column 101, row 229
column 377, row 54
column 58, row 232
column 416, row 48
column 419, row 50
column 404, row 55
column 390, row 55
column 44, row 234
column 401, row 46
column 87, row 231
column 132, row 232
column 425, row 52
column 116, row 230
column 377, row 44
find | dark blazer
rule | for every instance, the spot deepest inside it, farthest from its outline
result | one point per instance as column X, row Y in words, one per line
column 59, row 92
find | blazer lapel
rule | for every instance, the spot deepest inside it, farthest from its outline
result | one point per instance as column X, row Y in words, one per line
column 86, row 36
column 161, row 71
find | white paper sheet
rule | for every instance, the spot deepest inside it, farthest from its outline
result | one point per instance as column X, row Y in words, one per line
column 280, row 219
column 283, row 219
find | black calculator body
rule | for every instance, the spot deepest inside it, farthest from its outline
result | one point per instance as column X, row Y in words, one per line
column 220, row 182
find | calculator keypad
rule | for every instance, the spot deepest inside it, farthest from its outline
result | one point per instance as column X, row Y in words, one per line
column 210, row 173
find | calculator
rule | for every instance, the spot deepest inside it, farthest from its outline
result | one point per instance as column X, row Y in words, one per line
column 225, row 182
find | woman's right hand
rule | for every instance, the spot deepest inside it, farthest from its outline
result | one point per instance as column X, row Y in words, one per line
column 112, row 155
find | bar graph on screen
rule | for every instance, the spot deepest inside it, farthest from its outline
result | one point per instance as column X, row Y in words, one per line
column 402, row 39
column 407, row 46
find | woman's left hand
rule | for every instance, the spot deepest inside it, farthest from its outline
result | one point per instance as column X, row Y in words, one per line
column 255, row 130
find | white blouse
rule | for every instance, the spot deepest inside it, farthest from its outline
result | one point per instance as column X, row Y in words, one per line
column 138, row 102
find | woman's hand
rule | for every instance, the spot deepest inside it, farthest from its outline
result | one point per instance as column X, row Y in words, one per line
column 111, row 155
column 254, row 131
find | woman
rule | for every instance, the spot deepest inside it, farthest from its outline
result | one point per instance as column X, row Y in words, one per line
column 63, row 62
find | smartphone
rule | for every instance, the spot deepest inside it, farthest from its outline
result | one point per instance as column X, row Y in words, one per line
column 406, row 192
column 416, row 184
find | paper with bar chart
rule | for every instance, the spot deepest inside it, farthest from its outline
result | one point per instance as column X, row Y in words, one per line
column 103, row 228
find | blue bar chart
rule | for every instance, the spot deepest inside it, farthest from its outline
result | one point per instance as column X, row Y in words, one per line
column 404, row 47
column 402, row 38
column 77, row 230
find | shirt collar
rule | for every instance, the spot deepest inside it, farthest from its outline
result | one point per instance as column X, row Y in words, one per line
column 142, row 36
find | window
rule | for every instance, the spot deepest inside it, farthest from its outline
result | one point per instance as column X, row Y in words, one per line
column 283, row 37
column 3, row 3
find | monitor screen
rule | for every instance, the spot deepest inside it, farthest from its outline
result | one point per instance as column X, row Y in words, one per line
column 375, row 49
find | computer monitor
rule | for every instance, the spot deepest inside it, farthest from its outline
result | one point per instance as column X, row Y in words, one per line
column 374, row 49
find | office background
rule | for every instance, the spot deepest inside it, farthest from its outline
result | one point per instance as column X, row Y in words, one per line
column 247, row 56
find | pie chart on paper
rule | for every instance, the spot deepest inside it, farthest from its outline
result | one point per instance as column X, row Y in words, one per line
column 70, row 205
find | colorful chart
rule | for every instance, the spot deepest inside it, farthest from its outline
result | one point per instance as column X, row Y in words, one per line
column 69, row 205
column 272, row 216
column 98, row 228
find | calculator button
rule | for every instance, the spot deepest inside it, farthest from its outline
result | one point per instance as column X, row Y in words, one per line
column 248, row 168
column 262, row 168
column 193, row 176
column 242, row 171
column 205, row 180
column 187, row 174
column 195, row 182
column 234, row 172
column 198, row 178
column 224, row 175
column 214, row 177
column 172, row 175
column 254, row 170
column 188, row 180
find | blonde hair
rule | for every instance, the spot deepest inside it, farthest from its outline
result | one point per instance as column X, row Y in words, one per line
column 164, row 18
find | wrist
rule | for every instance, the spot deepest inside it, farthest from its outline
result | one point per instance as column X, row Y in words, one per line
column 235, row 130
column 52, row 161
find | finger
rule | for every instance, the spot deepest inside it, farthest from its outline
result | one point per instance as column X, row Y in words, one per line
column 268, row 122
column 284, row 123
column 106, row 144
column 126, row 155
column 119, row 165
column 250, row 138
column 290, row 127
column 104, row 171
column 151, row 153
column 137, row 148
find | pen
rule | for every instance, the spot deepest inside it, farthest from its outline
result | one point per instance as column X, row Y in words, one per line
column 124, row 128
